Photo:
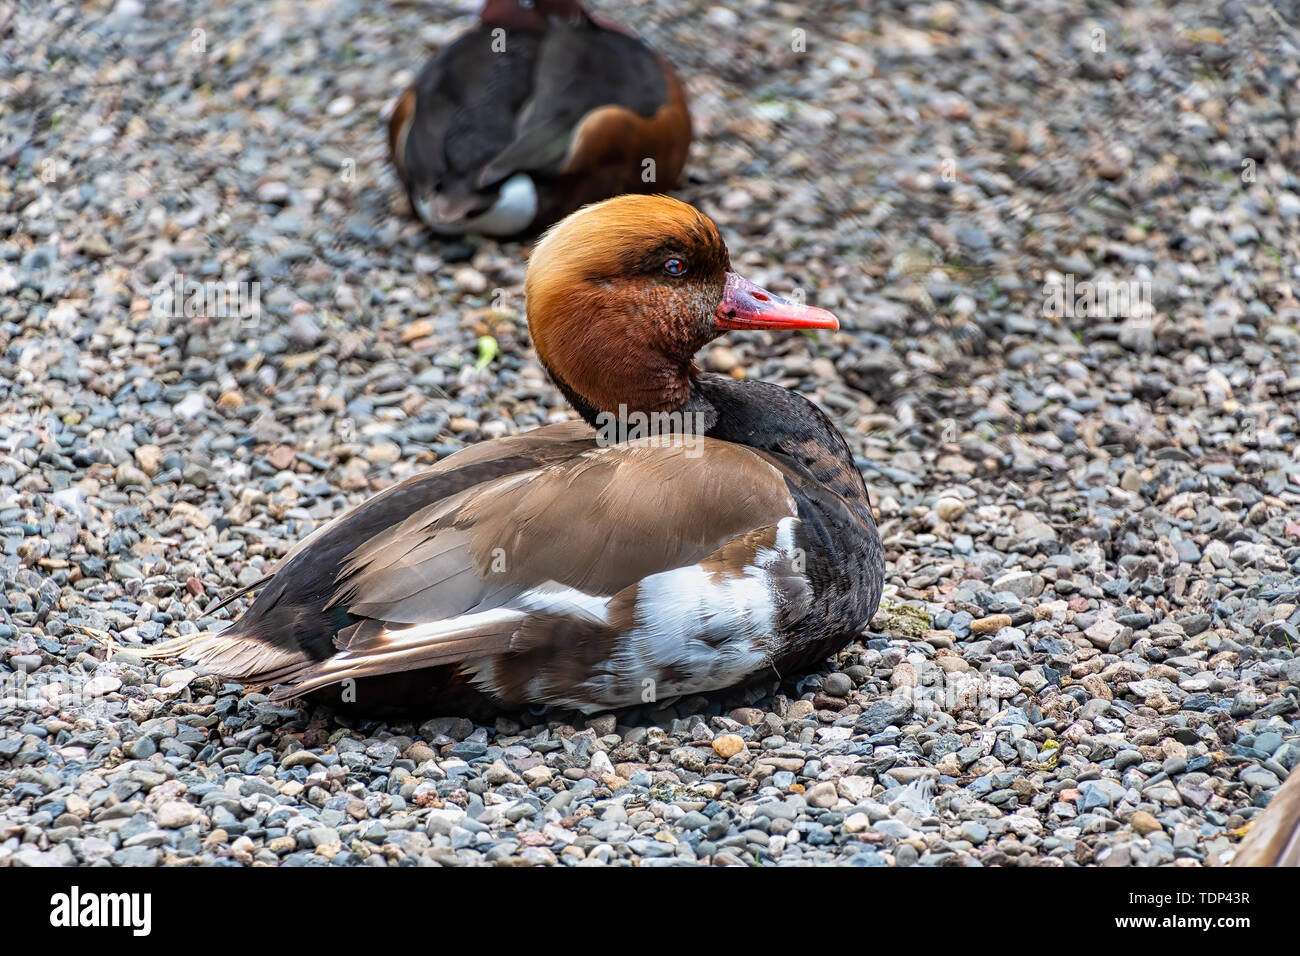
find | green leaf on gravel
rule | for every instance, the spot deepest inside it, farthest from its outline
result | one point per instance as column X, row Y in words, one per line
column 487, row 351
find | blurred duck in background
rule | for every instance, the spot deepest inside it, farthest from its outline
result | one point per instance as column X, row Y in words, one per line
column 536, row 111
column 1274, row 836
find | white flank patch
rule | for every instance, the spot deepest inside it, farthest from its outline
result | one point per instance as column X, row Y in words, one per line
column 514, row 210
column 562, row 599
column 677, row 611
column 785, row 546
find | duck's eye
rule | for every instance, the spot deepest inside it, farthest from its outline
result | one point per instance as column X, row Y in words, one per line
column 675, row 267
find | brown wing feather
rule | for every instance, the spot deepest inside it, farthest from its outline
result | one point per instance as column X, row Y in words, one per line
column 541, row 445
column 594, row 519
column 389, row 656
column 579, row 70
column 597, row 523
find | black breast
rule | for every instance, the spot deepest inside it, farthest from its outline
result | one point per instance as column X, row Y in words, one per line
column 844, row 558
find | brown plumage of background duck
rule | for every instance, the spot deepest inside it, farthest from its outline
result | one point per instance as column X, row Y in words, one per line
column 538, row 110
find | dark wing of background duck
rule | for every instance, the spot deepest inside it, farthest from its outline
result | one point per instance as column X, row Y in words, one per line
column 546, row 568
column 1274, row 836
column 578, row 107
column 457, row 116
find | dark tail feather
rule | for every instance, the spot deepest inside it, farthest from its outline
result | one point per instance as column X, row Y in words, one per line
column 230, row 598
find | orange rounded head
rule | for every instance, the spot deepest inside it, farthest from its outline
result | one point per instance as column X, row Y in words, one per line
column 623, row 293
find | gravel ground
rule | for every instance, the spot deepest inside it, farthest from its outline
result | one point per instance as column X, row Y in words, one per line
column 1087, row 650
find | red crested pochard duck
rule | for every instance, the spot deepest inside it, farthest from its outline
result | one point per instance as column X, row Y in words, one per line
column 692, row 532
column 538, row 110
